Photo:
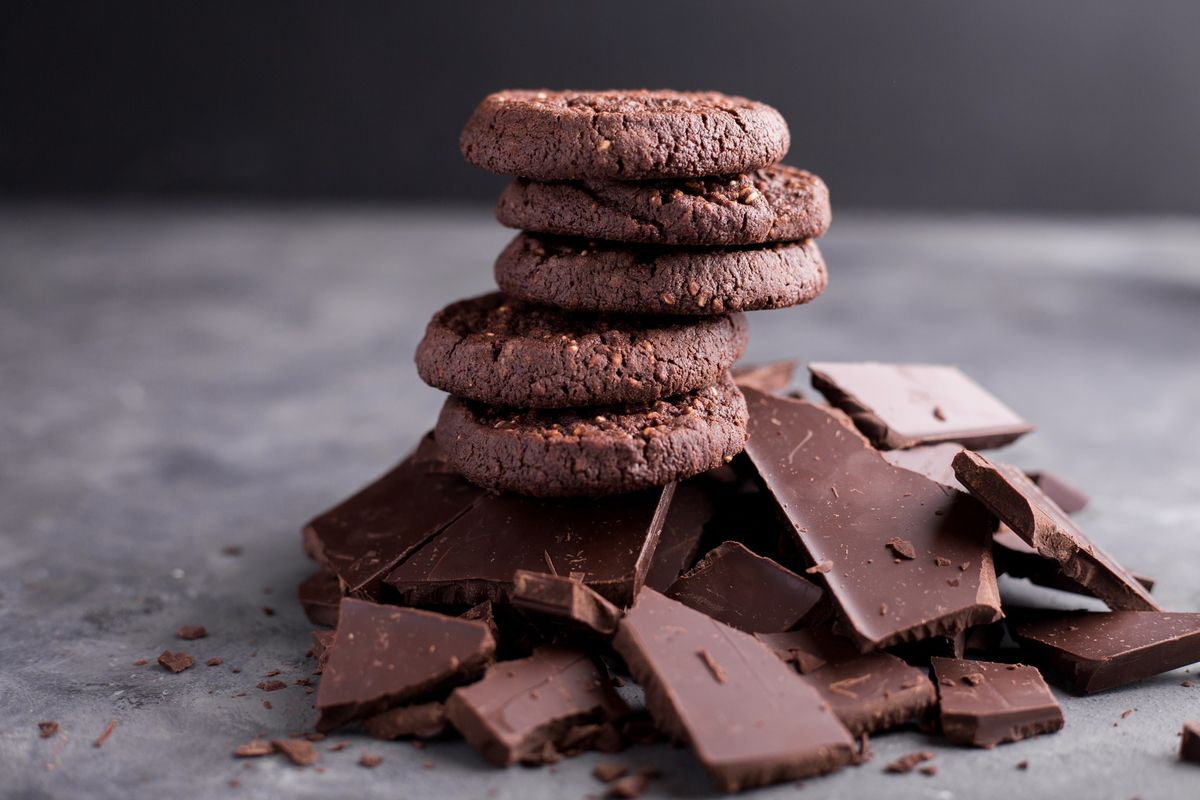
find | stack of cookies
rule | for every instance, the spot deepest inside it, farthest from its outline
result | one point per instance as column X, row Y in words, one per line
column 650, row 221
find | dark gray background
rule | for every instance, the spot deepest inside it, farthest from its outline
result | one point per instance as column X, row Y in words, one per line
column 1072, row 105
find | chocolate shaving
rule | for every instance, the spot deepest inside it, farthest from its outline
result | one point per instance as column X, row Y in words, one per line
column 905, row 764
column 713, row 667
column 902, row 547
column 254, row 748
column 107, row 732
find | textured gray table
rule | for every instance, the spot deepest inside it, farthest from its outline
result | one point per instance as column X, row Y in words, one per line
column 172, row 382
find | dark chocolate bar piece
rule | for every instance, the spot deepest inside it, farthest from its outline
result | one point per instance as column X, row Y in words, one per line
column 520, row 707
column 772, row 377
column 1189, row 742
column 361, row 539
column 903, row 405
column 320, row 595
column 750, row 719
column 383, row 656
column 875, row 692
column 748, row 591
column 610, row 540
column 1037, row 520
column 565, row 599
column 692, row 507
column 985, row 704
column 1088, row 652
column 904, row 558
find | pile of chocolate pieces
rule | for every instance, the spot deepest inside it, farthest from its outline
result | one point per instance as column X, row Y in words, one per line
column 836, row 579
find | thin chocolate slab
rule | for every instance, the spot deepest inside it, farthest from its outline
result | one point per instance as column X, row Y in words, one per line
column 565, row 599
column 772, row 377
column 985, row 704
column 520, row 707
column 903, row 558
column 748, row 591
column 809, row 649
column 320, row 595
column 609, row 540
column 1087, row 652
column 383, row 656
column 1189, row 742
column 361, row 539
column 692, row 507
column 1037, row 520
column 748, row 717
column 875, row 692
column 902, row 405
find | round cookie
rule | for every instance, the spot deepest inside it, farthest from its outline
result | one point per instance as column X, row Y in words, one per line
column 775, row 204
column 581, row 275
column 507, row 352
column 594, row 451
column 622, row 135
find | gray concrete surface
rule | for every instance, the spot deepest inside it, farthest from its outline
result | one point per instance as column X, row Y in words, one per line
column 173, row 381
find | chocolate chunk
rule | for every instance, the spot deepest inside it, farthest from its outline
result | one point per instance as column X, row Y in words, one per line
column 809, row 649
column 564, row 599
column 175, row 662
column 1019, row 559
column 255, row 748
column 691, row 510
column 610, row 540
column 320, row 595
column 298, row 751
column 875, row 692
column 519, row 707
column 772, row 377
column 1066, row 495
column 425, row 721
column 902, row 405
column 369, row 760
column 383, row 656
column 1189, row 743
column 361, row 539
column 985, row 704
column 192, row 632
column 1036, row 519
column 761, row 725
column 802, row 450
column 907, row 763
column 47, row 729
column 904, row 549
column 1088, row 652
column 745, row 590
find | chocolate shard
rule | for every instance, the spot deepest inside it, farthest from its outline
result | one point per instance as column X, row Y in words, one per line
column 610, row 540
column 384, row 656
column 565, row 599
column 424, row 721
column 362, row 538
column 903, row 405
column 1189, row 742
column 875, row 692
column 1070, row 498
column 809, row 649
column 520, row 710
column 1037, row 520
column 750, row 720
column 320, row 595
column 1088, row 652
column 1015, row 557
column 985, row 704
column 691, row 510
column 748, row 591
column 772, row 377
column 845, row 503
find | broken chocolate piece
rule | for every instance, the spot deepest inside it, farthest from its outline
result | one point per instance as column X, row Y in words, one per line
column 1189, row 742
column 985, row 704
column 1088, row 652
column 255, row 748
column 762, row 724
column 800, row 450
column 520, row 707
column 299, row 751
column 363, row 538
column 1036, row 519
column 564, row 599
column 1015, row 557
column 772, row 377
column 175, row 662
column 748, row 591
column 321, row 642
column 691, row 509
column 902, row 405
column 383, row 656
column 907, row 763
column 320, row 595
column 875, row 692
column 425, row 721
column 611, row 540
column 192, row 632
column 809, row 649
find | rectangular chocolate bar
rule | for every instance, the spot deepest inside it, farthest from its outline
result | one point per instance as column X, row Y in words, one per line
column 985, row 704
column 874, row 692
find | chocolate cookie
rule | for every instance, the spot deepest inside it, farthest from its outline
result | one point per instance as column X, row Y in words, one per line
column 622, row 135
column 505, row 352
column 581, row 275
column 775, row 204
column 596, row 451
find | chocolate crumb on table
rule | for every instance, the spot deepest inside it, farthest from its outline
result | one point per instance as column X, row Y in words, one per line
column 907, row 763
column 254, row 748
column 609, row 771
column 369, row 760
column 47, row 729
column 191, row 632
column 175, row 662
column 107, row 732
column 299, row 751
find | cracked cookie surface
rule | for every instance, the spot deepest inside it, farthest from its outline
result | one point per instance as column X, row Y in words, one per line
column 596, row 451
column 622, row 134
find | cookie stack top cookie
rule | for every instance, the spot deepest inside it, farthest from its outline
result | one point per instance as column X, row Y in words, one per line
column 649, row 220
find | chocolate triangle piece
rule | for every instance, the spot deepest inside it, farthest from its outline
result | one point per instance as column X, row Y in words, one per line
column 875, row 692
column 361, row 539
column 809, row 649
column 903, row 405
column 1038, row 521
column 383, row 656
column 320, row 595
column 772, row 377
column 985, row 704
column 750, row 720
column 609, row 540
column 691, row 509
column 521, row 710
column 565, row 599
column 902, row 557
column 748, row 591
column 1089, row 652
